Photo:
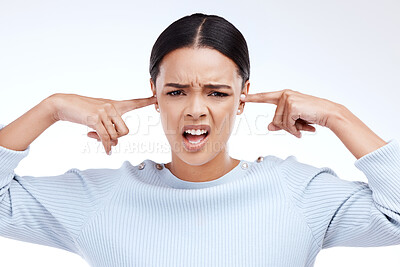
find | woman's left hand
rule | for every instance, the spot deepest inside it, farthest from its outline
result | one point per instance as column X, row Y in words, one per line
column 295, row 111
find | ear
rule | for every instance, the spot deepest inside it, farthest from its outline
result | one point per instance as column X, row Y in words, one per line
column 154, row 92
column 245, row 91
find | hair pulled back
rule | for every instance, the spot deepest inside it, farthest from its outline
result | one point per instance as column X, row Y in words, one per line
column 202, row 31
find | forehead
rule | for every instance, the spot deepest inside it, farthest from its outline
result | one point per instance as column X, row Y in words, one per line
column 198, row 65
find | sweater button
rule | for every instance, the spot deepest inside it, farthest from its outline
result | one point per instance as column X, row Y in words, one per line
column 141, row 166
column 259, row 159
column 245, row 166
column 159, row 166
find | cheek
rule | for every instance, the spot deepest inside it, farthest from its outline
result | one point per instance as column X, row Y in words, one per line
column 170, row 116
column 224, row 117
column 228, row 105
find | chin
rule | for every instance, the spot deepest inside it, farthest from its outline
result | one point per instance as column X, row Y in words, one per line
column 196, row 160
column 198, row 157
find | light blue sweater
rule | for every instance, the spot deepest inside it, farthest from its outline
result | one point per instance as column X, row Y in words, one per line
column 272, row 212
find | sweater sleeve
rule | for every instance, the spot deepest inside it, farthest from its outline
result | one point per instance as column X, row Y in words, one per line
column 351, row 213
column 49, row 210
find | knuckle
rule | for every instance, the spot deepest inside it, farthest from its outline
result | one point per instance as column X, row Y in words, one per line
column 290, row 100
column 101, row 111
column 107, row 106
column 112, row 117
column 278, row 122
column 105, row 137
column 92, row 119
column 54, row 95
column 110, row 109
column 278, row 119
column 287, row 91
column 285, row 125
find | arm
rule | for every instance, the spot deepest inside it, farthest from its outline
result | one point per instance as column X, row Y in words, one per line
column 20, row 133
column 354, row 134
column 296, row 111
column 350, row 213
column 23, row 216
column 371, row 215
column 376, row 206
column 340, row 212
column 102, row 115
column 50, row 210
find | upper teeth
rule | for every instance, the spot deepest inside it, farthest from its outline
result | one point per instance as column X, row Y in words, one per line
column 196, row 132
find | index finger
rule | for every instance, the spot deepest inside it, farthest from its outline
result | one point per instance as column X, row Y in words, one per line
column 266, row 97
column 124, row 106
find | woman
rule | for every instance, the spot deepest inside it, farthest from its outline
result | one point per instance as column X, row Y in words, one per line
column 204, row 208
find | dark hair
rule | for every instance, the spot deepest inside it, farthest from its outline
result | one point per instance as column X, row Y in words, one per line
column 201, row 30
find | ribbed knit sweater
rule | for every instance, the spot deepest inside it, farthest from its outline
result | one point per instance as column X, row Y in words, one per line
column 271, row 212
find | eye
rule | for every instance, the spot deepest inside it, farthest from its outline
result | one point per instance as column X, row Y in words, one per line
column 174, row 93
column 219, row 94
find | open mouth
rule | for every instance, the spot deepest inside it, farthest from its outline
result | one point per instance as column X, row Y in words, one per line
column 195, row 136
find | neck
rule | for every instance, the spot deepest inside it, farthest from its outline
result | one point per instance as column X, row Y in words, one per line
column 211, row 170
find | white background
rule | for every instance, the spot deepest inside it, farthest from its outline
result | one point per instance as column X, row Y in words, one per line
column 345, row 51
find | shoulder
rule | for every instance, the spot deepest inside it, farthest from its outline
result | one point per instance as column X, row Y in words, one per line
column 97, row 181
column 96, row 173
column 291, row 167
column 300, row 172
column 304, row 179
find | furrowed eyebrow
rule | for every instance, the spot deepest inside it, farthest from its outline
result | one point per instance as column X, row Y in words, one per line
column 217, row 86
column 176, row 85
column 209, row 86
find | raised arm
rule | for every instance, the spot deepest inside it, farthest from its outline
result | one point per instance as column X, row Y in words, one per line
column 102, row 115
column 52, row 210
column 340, row 212
column 20, row 133
column 350, row 213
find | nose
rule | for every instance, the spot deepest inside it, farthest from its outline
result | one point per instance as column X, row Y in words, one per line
column 196, row 107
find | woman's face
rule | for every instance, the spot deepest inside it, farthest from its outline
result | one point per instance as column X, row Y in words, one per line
column 198, row 86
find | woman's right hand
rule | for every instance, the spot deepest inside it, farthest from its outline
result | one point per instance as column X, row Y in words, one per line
column 102, row 115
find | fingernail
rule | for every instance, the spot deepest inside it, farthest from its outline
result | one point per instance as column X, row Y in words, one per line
column 242, row 97
column 109, row 153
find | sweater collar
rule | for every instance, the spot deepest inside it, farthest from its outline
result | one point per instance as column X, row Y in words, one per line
column 171, row 180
